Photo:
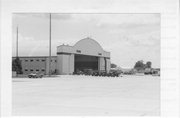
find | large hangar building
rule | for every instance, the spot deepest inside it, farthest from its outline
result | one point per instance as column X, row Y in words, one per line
column 85, row 54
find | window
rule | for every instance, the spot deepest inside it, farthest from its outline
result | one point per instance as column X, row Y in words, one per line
column 31, row 60
column 37, row 69
column 26, row 69
column 99, row 53
column 31, row 70
column 42, row 70
column 55, row 61
column 42, row 60
column 79, row 51
column 37, row 59
column 26, row 60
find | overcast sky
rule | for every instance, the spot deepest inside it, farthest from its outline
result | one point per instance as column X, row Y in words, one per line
column 129, row 37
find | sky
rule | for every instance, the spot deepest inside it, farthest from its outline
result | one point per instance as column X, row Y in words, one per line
column 128, row 37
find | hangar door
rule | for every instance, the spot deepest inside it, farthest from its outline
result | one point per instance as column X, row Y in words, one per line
column 85, row 62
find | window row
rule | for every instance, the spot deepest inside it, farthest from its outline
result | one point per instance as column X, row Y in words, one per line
column 34, row 60
column 31, row 60
column 34, row 70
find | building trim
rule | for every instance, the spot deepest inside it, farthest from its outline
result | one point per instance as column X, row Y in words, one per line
column 35, row 57
column 63, row 53
column 66, row 53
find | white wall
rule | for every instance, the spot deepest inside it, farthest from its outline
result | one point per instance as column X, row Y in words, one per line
column 65, row 64
column 101, row 63
column 59, row 64
column 53, row 65
column 108, row 64
column 71, row 64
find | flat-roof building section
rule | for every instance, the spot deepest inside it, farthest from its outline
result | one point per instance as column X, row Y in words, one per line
column 38, row 64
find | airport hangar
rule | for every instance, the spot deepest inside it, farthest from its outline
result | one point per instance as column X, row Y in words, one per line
column 85, row 54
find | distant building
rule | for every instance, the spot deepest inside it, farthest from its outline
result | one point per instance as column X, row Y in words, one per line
column 85, row 54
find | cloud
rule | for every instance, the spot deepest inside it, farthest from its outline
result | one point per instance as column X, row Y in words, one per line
column 150, row 41
column 61, row 16
column 22, row 38
column 128, row 26
column 147, row 39
column 128, row 20
column 44, row 15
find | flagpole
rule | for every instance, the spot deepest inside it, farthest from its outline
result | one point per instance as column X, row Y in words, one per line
column 49, row 44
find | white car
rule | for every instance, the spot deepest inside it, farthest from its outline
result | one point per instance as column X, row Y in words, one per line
column 35, row 75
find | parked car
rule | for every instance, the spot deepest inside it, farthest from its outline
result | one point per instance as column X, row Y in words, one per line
column 78, row 72
column 95, row 73
column 103, row 73
column 114, row 73
column 35, row 75
column 88, row 71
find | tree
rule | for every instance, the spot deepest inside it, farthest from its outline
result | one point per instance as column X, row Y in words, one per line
column 113, row 65
column 139, row 65
column 148, row 64
column 16, row 65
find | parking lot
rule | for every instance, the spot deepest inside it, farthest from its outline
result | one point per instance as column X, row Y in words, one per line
column 87, row 96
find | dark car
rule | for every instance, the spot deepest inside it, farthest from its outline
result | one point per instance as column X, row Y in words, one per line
column 103, row 73
column 114, row 73
column 35, row 75
column 88, row 71
column 78, row 72
column 95, row 73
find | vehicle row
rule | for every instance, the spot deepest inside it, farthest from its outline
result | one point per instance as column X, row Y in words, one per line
column 91, row 72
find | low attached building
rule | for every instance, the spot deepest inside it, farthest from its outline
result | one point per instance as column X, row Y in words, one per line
column 39, row 64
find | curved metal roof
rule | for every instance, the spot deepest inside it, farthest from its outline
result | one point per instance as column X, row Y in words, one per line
column 88, row 43
column 86, row 46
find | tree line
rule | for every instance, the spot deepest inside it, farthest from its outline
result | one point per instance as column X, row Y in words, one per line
column 140, row 65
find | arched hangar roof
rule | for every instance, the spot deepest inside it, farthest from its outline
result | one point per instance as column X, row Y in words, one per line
column 86, row 46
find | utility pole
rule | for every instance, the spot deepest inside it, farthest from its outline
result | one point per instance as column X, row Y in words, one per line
column 49, row 44
column 17, row 42
column 17, row 48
